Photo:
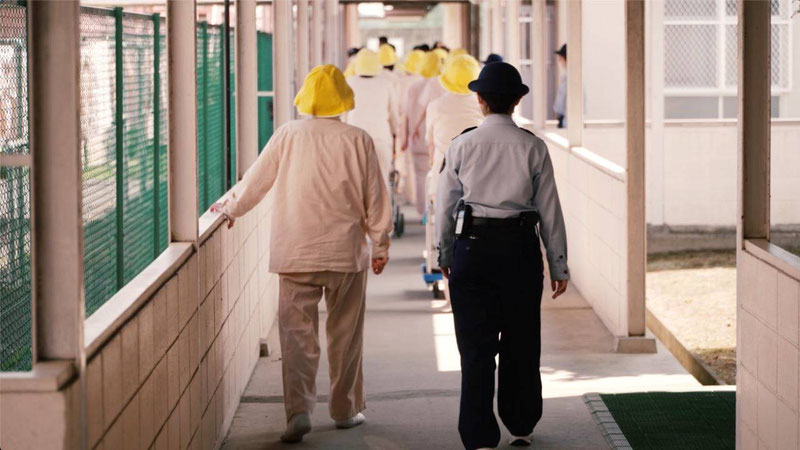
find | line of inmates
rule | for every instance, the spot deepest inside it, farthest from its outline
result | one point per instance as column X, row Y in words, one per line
column 331, row 217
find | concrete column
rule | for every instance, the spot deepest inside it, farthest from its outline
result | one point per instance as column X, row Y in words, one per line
column 332, row 38
column 635, row 180
column 317, row 10
column 246, row 86
column 497, row 26
column 283, row 63
column 351, row 35
column 512, row 35
column 56, row 181
column 575, row 73
column 452, row 25
column 539, row 55
column 655, row 80
column 754, row 120
column 485, row 31
column 182, row 107
column 303, row 56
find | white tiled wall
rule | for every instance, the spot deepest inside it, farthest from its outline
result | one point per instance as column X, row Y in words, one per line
column 767, row 357
column 594, row 210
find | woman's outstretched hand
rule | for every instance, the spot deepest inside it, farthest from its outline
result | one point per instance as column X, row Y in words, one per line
column 217, row 208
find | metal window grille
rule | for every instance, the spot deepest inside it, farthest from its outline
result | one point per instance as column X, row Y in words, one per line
column 211, row 160
column 266, row 120
column 123, row 148
column 15, row 225
column 700, row 40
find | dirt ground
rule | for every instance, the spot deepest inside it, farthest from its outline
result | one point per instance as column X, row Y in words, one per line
column 694, row 295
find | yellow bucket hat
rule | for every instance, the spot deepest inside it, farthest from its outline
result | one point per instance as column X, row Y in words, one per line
column 386, row 55
column 431, row 65
column 350, row 70
column 458, row 51
column 440, row 52
column 458, row 72
column 325, row 93
column 367, row 63
column 414, row 61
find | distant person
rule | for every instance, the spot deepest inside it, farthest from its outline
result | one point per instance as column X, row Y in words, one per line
column 374, row 110
column 322, row 171
column 560, row 103
column 350, row 69
column 492, row 58
column 415, row 105
column 496, row 196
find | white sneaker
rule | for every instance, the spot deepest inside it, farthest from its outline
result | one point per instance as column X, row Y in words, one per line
column 354, row 421
column 299, row 425
column 521, row 441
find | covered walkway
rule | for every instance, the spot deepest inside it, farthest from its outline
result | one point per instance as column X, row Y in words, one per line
column 412, row 378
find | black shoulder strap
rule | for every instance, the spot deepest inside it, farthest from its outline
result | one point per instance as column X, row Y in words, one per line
column 466, row 131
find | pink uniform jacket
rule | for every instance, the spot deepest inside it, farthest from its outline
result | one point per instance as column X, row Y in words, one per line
column 329, row 196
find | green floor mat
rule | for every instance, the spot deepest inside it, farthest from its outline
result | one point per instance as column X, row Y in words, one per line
column 671, row 420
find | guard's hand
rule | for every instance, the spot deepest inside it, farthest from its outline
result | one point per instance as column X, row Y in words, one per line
column 217, row 208
column 445, row 272
column 378, row 264
column 558, row 287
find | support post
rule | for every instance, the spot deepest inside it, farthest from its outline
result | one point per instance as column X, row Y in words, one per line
column 182, row 98
column 332, row 38
column 512, row 36
column 754, row 120
column 317, row 10
column 302, row 41
column 283, row 61
column 156, row 133
column 57, row 231
column 246, row 86
column 497, row 26
column 485, row 33
column 575, row 73
column 119, row 150
column 635, row 178
column 539, row 56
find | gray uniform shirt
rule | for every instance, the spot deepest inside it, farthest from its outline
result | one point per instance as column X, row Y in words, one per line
column 501, row 171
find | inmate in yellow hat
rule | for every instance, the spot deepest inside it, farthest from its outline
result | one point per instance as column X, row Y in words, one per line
column 431, row 65
column 458, row 72
column 367, row 63
column 440, row 52
column 458, row 51
column 414, row 61
column 325, row 93
column 350, row 70
column 386, row 55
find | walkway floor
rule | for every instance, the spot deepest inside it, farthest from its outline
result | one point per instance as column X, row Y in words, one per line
column 412, row 373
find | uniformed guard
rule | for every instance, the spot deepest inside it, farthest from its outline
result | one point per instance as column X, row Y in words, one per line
column 496, row 196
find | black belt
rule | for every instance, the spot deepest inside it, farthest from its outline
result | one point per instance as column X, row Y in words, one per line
column 492, row 222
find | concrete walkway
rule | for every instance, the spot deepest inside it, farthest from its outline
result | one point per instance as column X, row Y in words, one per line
column 412, row 373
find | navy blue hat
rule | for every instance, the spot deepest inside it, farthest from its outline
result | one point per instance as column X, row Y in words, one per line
column 493, row 58
column 499, row 78
column 562, row 51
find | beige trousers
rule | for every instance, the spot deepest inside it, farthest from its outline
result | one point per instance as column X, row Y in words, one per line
column 298, row 322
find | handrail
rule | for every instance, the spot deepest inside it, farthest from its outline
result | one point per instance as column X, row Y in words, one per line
column 605, row 165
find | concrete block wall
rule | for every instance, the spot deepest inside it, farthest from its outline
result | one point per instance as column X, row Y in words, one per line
column 594, row 211
column 173, row 375
column 767, row 405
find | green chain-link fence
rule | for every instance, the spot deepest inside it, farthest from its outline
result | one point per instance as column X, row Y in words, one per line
column 15, row 237
column 123, row 72
column 123, row 126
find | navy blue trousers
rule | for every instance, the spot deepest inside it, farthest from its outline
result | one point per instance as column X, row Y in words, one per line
column 496, row 290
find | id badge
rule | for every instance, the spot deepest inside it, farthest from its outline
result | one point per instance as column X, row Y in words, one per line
column 459, row 222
